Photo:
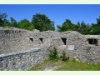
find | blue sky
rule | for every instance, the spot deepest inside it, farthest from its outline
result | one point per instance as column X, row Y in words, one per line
column 57, row 13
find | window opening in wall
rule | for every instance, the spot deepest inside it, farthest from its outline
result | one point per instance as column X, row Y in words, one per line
column 92, row 41
column 41, row 39
column 31, row 39
column 64, row 40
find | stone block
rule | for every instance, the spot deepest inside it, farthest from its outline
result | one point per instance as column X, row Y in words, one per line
column 71, row 47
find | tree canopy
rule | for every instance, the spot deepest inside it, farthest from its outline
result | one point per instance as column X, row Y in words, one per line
column 2, row 18
column 42, row 22
column 25, row 24
column 81, row 27
column 67, row 25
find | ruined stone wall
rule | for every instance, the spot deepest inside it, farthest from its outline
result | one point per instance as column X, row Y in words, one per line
column 22, row 60
column 79, row 47
column 20, row 49
column 76, row 45
column 14, row 40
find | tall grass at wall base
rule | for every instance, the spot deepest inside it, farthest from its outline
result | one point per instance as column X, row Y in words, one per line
column 53, row 54
column 66, row 66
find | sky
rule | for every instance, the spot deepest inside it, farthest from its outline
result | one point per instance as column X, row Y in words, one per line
column 57, row 13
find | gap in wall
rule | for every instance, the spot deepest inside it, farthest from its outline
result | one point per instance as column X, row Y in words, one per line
column 41, row 39
column 64, row 40
column 93, row 41
column 31, row 39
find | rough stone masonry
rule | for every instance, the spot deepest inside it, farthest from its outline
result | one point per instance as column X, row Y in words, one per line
column 21, row 49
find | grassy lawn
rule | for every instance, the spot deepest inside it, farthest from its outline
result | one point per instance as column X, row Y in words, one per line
column 59, row 65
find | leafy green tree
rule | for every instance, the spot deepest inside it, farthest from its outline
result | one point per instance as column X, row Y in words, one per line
column 62, row 28
column 67, row 25
column 2, row 18
column 84, row 28
column 13, row 22
column 95, row 28
column 6, row 23
column 78, row 27
column 98, row 21
column 25, row 24
column 42, row 22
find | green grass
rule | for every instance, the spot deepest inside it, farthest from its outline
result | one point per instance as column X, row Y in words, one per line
column 42, row 66
column 66, row 66
column 78, row 66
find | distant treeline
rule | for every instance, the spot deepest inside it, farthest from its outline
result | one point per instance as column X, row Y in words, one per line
column 43, row 23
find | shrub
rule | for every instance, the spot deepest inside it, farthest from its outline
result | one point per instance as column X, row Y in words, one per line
column 6, row 31
column 63, row 56
column 53, row 54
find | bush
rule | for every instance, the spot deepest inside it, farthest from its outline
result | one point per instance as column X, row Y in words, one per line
column 6, row 31
column 63, row 56
column 53, row 54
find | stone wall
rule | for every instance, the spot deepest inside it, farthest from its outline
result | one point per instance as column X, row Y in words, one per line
column 13, row 40
column 77, row 45
column 21, row 49
column 22, row 60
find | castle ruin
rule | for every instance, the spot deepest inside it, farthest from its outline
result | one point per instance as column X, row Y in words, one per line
column 21, row 49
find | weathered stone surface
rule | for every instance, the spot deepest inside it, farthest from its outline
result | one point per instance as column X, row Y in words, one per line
column 22, row 60
column 70, row 47
column 20, row 49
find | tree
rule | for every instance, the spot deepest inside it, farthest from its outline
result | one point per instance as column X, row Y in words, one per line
column 13, row 22
column 78, row 27
column 6, row 23
column 98, row 21
column 25, row 24
column 2, row 18
column 83, row 28
column 42, row 22
column 67, row 25
column 95, row 28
